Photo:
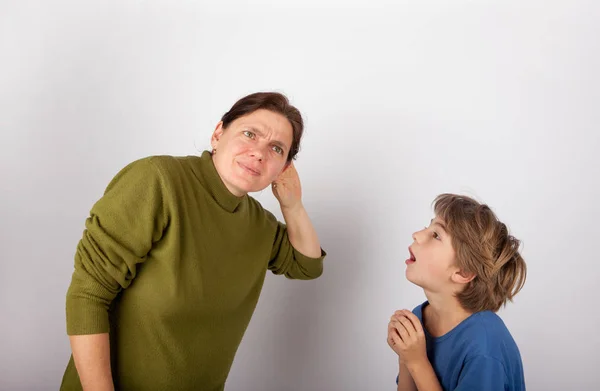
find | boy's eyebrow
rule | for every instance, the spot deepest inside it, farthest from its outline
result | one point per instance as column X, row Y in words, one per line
column 442, row 226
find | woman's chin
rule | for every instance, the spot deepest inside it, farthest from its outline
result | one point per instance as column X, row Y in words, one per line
column 250, row 186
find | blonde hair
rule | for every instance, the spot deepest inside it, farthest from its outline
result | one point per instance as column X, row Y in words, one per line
column 483, row 247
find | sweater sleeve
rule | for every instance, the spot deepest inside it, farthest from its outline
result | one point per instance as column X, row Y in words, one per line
column 482, row 373
column 120, row 231
column 286, row 260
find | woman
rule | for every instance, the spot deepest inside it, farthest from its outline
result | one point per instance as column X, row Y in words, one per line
column 174, row 255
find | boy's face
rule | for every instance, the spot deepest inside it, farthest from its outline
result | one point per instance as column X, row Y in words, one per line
column 432, row 259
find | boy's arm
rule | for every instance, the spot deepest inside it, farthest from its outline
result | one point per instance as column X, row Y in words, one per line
column 478, row 373
column 407, row 339
column 482, row 373
column 405, row 381
column 423, row 376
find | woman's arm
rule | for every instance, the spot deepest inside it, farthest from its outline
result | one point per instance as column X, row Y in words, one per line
column 296, row 251
column 91, row 354
column 120, row 231
column 301, row 232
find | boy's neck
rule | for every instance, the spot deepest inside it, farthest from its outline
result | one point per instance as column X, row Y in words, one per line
column 442, row 314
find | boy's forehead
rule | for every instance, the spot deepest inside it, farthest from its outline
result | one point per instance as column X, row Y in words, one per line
column 437, row 219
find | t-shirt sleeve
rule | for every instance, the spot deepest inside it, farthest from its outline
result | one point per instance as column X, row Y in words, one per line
column 286, row 260
column 482, row 373
column 119, row 232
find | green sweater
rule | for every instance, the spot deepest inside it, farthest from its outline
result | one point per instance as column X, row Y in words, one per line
column 171, row 264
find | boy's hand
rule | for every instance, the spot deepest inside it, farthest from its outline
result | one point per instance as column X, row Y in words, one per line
column 407, row 338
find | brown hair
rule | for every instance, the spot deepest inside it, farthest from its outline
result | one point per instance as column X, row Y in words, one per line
column 485, row 248
column 272, row 101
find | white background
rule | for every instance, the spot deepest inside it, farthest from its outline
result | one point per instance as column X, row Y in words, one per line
column 403, row 100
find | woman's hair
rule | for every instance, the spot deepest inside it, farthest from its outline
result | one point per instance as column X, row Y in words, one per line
column 272, row 101
column 484, row 248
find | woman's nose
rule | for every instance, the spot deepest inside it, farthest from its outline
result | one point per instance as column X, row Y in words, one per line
column 258, row 153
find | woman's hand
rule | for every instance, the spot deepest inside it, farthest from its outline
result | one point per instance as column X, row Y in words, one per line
column 287, row 188
column 300, row 230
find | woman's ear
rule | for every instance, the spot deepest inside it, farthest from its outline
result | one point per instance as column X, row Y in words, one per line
column 216, row 136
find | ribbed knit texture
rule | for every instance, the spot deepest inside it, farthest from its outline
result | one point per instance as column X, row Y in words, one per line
column 172, row 265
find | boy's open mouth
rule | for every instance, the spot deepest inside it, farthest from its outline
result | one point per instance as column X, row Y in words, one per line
column 412, row 258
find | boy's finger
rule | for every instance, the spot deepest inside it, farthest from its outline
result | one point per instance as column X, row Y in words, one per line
column 414, row 320
column 408, row 325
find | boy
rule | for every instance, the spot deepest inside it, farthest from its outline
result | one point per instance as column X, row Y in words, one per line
column 468, row 266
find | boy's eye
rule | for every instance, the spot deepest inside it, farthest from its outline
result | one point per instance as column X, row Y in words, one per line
column 436, row 236
column 277, row 149
column 248, row 134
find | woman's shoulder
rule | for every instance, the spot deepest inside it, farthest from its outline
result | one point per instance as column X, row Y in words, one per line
column 256, row 208
column 168, row 167
column 165, row 171
column 154, row 162
column 171, row 162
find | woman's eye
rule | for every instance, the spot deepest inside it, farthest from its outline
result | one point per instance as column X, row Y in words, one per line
column 277, row 149
column 248, row 134
column 436, row 236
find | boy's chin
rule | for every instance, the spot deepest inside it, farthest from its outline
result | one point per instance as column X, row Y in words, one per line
column 417, row 282
column 412, row 279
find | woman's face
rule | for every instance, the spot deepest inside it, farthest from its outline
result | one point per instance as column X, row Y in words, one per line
column 252, row 151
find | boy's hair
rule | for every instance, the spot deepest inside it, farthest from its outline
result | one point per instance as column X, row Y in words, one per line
column 483, row 247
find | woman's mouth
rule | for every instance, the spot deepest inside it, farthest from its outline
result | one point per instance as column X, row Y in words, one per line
column 249, row 170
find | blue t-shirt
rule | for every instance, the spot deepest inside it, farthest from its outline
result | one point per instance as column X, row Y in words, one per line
column 478, row 354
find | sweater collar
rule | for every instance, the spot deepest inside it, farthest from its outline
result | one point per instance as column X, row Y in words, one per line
column 208, row 175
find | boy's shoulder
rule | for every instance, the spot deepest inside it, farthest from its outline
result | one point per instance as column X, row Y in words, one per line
column 481, row 334
column 418, row 310
column 486, row 334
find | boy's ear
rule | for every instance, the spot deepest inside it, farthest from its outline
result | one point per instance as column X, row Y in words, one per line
column 462, row 277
